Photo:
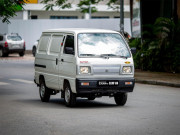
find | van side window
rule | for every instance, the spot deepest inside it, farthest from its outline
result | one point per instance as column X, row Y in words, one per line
column 44, row 41
column 69, row 44
column 56, row 44
column 1, row 38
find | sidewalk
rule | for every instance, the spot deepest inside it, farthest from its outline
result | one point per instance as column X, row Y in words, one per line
column 158, row 78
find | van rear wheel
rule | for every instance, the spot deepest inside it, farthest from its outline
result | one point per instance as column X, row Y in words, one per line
column 120, row 99
column 44, row 92
column 69, row 96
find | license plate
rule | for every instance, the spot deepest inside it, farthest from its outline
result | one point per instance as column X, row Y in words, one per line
column 108, row 83
column 15, row 46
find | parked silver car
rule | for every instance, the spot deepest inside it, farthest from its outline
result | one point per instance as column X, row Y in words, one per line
column 11, row 43
column 34, row 48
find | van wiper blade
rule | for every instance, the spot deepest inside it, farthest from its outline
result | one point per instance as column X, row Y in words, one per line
column 107, row 55
column 123, row 57
column 87, row 55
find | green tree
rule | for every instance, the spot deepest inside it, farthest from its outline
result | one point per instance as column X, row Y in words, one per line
column 83, row 4
column 8, row 8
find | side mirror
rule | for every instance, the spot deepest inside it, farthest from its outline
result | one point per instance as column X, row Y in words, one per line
column 69, row 50
column 133, row 50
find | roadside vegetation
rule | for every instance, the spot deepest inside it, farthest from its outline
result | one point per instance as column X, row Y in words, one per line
column 159, row 50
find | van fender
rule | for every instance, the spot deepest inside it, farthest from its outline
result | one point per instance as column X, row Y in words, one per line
column 72, row 83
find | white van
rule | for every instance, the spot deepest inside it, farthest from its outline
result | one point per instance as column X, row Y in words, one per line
column 87, row 63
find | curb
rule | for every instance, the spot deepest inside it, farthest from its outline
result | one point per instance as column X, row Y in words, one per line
column 157, row 83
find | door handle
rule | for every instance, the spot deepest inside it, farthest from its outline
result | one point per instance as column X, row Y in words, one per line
column 62, row 60
column 56, row 61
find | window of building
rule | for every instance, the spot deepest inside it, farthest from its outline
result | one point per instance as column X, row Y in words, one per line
column 69, row 43
column 34, row 17
column 63, row 17
column 100, row 17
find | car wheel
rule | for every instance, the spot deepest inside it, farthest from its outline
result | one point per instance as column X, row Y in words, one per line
column 120, row 99
column 69, row 97
column 21, row 54
column 1, row 52
column 6, row 54
column 44, row 92
column 34, row 51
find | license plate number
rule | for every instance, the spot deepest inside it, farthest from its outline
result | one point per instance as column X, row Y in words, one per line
column 108, row 83
column 15, row 46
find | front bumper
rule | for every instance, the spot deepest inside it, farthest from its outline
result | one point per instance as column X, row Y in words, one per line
column 94, row 88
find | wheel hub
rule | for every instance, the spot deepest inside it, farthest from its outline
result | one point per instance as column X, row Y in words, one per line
column 42, row 90
column 67, row 95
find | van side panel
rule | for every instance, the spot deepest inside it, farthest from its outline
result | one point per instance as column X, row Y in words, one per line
column 67, row 70
column 47, row 58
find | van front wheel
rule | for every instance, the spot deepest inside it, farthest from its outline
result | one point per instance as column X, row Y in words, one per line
column 120, row 99
column 69, row 97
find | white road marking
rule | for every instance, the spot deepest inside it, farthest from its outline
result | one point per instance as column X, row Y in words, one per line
column 23, row 81
column 3, row 83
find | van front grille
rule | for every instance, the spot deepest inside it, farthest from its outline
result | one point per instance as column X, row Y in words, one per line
column 106, row 69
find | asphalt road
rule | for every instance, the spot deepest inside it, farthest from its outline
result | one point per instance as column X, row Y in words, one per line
column 150, row 109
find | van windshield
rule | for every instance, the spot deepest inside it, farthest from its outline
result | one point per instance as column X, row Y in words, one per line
column 102, row 44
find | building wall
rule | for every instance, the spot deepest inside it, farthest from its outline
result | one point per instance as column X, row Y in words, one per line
column 3, row 27
column 30, row 30
column 19, row 15
column 47, row 14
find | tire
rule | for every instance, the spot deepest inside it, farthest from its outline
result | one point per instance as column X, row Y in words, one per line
column 44, row 92
column 69, row 97
column 34, row 51
column 1, row 52
column 6, row 54
column 120, row 99
column 21, row 54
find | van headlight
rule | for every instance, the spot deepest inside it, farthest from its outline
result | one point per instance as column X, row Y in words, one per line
column 127, row 69
column 85, row 70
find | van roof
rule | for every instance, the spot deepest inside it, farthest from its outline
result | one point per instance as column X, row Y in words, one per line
column 79, row 30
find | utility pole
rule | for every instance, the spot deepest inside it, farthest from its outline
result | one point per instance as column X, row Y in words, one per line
column 89, row 9
column 122, row 16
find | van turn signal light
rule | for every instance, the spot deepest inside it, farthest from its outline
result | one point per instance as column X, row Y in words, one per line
column 128, row 83
column 85, row 83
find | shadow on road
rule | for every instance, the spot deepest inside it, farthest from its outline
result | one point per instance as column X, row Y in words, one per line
column 54, row 103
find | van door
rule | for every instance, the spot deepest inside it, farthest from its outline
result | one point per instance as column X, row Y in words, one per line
column 67, row 69
column 53, row 56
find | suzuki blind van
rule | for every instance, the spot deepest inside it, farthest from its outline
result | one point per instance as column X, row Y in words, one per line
column 87, row 63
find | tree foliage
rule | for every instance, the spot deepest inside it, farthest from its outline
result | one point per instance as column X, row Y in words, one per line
column 160, row 48
column 84, row 5
column 8, row 8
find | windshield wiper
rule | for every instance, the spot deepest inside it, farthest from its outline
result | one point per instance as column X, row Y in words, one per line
column 87, row 55
column 107, row 55
column 123, row 57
